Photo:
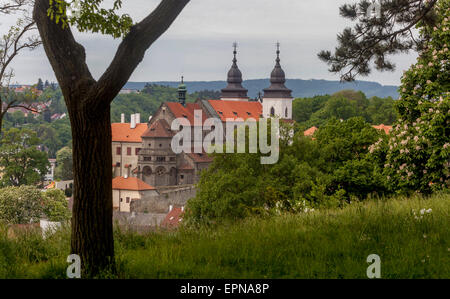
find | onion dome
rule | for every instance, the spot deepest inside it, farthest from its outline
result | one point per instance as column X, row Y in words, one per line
column 234, row 88
column 277, row 88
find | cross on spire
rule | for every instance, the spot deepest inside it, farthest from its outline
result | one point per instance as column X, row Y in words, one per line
column 278, row 49
column 235, row 45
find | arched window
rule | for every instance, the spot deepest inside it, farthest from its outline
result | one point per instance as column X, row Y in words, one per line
column 147, row 171
column 272, row 111
column 286, row 112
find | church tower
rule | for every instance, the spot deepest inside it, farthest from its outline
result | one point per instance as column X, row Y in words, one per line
column 234, row 91
column 277, row 100
column 182, row 90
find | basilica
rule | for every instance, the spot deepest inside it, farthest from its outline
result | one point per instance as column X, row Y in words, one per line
column 144, row 151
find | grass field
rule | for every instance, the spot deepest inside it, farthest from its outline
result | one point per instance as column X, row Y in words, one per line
column 321, row 244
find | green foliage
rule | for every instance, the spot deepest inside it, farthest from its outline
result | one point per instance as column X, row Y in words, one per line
column 21, row 162
column 90, row 16
column 64, row 161
column 418, row 152
column 55, row 205
column 20, row 205
column 344, row 104
column 27, row 204
column 327, row 171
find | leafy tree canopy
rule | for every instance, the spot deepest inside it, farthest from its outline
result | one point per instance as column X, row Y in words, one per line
column 64, row 168
column 21, row 162
column 418, row 152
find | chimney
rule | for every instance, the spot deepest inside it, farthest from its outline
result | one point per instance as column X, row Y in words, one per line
column 138, row 118
column 133, row 121
column 122, row 118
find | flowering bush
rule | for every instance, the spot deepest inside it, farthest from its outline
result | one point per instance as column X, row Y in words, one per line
column 418, row 148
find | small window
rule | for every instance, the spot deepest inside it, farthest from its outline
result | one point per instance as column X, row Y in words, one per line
column 121, row 200
column 118, row 164
column 118, row 150
column 128, row 151
column 272, row 111
column 149, row 145
column 137, row 150
column 160, row 159
column 128, row 200
column 160, row 145
column 181, row 176
column 286, row 113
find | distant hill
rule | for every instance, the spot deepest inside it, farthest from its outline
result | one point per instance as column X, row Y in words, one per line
column 300, row 88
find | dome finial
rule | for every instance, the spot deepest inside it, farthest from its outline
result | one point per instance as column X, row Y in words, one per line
column 278, row 52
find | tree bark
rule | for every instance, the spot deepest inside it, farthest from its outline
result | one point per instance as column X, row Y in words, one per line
column 88, row 103
column 92, row 226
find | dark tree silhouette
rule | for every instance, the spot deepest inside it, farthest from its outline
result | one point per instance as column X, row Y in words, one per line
column 383, row 28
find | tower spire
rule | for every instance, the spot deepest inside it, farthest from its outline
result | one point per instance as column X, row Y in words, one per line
column 182, row 90
column 278, row 50
column 277, row 88
column 234, row 90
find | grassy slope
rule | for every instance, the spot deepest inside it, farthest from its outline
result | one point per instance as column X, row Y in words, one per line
column 322, row 244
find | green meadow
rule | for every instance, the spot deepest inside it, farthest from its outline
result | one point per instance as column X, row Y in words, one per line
column 411, row 236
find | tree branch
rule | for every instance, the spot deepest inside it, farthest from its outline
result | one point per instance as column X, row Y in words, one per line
column 67, row 57
column 132, row 49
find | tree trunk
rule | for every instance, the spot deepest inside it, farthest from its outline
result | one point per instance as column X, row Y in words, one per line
column 88, row 103
column 92, row 232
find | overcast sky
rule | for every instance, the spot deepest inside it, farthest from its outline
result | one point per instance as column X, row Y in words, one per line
column 199, row 44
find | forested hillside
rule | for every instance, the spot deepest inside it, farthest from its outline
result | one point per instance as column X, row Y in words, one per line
column 300, row 88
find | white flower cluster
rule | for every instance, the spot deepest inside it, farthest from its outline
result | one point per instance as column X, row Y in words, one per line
column 375, row 146
column 422, row 213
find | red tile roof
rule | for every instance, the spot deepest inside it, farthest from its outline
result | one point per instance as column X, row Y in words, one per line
column 122, row 132
column 237, row 109
column 180, row 111
column 310, row 131
column 200, row 158
column 186, row 166
column 174, row 218
column 383, row 127
column 131, row 183
column 160, row 128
